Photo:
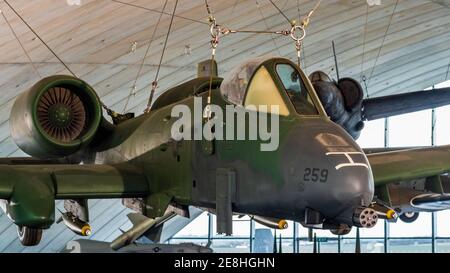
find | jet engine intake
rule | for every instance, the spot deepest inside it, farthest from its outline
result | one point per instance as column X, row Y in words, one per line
column 56, row 117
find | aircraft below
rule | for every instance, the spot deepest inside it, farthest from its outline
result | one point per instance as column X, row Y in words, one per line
column 92, row 246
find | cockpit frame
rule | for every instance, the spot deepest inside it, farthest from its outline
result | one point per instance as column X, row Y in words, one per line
column 271, row 65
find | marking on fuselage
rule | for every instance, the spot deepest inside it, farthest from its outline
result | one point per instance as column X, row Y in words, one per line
column 351, row 162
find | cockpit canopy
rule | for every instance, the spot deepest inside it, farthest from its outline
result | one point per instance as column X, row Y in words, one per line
column 266, row 82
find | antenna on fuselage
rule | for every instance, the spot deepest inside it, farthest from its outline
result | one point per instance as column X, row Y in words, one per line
column 335, row 60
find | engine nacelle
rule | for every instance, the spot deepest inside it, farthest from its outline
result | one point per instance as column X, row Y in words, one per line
column 342, row 101
column 56, row 117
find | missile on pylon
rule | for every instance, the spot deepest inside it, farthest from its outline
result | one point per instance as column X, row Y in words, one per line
column 75, row 224
column 138, row 230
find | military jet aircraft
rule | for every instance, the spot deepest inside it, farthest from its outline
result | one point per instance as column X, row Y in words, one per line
column 317, row 176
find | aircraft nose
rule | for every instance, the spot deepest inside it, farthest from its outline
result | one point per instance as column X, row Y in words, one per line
column 335, row 175
column 352, row 186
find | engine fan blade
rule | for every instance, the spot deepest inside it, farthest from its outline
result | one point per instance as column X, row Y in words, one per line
column 61, row 114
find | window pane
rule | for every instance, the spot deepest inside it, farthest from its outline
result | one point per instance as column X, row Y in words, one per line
column 296, row 90
column 231, row 245
column 372, row 136
column 241, row 227
column 376, row 231
column 420, row 227
column 443, row 125
column 443, row 245
column 264, row 92
column 410, row 130
column 410, row 245
column 442, row 220
column 367, row 245
column 197, row 228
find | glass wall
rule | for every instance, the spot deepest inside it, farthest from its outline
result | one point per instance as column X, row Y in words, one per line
column 429, row 233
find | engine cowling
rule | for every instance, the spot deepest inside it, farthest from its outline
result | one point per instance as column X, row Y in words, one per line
column 342, row 101
column 56, row 117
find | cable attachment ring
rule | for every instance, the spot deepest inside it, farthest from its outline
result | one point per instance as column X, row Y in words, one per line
column 215, row 31
column 296, row 29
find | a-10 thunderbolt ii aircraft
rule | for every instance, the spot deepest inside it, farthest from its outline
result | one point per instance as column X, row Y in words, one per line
column 317, row 175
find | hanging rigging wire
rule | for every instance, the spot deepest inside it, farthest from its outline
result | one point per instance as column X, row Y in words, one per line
column 21, row 45
column 155, row 82
column 363, row 77
column 448, row 70
column 306, row 20
column 267, row 26
column 141, row 66
column 108, row 110
column 304, row 60
column 157, row 11
column 225, row 31
column 297, row 31
column 382, row 43
column 215, row 32
column 301, row 28
column 281, row 12
column 43, row 42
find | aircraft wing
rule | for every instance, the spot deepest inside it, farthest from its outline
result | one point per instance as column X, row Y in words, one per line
column 30, row 191
column 66, row 181
column 413, row 180
column 396, row 166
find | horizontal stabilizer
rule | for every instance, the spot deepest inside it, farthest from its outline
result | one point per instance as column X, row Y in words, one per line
column 383, row 107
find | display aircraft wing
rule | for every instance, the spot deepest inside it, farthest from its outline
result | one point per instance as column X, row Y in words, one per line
column 398, row 104
column 413, row 180
column 30, row 190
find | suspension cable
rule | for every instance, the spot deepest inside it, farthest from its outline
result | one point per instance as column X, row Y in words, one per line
column 108, row 110
column 363, row 78
column 382, row 43
column 155, row 82
column 215, row 32
column 39, row 37
column 448, row 70
column 157, row 11
column 21, row 45
column 133, row 88
column 301, row 28
column 281, row 12
column 267, row 26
